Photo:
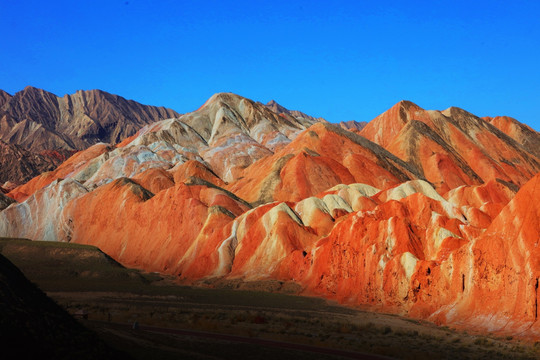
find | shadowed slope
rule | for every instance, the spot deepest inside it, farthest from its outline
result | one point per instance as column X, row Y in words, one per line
column 5, row 201
column 19, row 165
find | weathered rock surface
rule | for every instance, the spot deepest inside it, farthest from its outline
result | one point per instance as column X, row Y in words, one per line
column 501, row 267
column 522, row 133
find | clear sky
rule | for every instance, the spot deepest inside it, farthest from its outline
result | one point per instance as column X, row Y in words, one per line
column 341, row 60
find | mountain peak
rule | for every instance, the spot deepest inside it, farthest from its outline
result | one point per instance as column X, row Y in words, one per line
column 279, row 109
column 4, row 97
column 406, row 104
column 4, row 94
column 31, row 90
column 353, row 125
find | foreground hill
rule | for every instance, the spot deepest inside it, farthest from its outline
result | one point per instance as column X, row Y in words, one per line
column 33, row 326
column 237, row 192
column 39, row 122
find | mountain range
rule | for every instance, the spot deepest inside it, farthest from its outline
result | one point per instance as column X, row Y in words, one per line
column 432, row 214
column 39, row 130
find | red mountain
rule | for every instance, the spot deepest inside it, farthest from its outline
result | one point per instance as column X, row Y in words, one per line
column 452, row 147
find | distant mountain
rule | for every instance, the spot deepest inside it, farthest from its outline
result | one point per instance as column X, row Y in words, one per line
column 278, row 109
column 38, row 121
column 352, row 125
column 19, row 165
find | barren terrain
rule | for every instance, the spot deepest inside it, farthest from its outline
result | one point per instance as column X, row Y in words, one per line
column 175, row 320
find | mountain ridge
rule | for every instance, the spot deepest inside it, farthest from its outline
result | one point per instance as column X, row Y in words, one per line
column 39, row 122
column 233, row 190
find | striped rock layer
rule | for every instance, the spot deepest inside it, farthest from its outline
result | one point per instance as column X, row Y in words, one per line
column 433, row 214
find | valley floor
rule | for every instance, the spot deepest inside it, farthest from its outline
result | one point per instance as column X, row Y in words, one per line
column 176, row 321
column 328, row 331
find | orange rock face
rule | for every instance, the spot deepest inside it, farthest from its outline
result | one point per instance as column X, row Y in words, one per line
column 453, row 147
column 522, row 133
column 152, row 232
column 431, row 214
column 318, row 159
column 502, row 267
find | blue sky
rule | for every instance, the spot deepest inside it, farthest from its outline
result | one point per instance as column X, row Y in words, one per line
column 341, row 60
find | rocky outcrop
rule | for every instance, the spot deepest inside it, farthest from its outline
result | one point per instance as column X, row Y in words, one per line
column 501, row 267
